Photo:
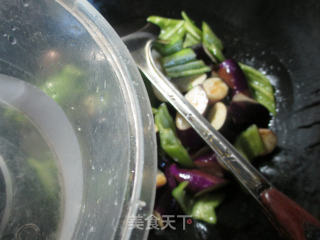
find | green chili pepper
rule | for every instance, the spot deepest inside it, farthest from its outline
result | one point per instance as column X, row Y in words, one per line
column 180, row 194
column 260, row 87
column 58, row 86
column 163, row 118
column 215, row 52
column 169, row 27
column 249, row 143
column 202, row 207
column 191, row 27
column 183, row 56
column 187, row 69
column 209, row 37
column 190, row 41
column 166, row 49
column 169, row 142
column 212, row 43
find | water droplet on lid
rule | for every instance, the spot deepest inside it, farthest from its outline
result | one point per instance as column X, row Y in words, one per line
column 12, row 40
column 13, row 28
column 26, row 3
column 79, row 129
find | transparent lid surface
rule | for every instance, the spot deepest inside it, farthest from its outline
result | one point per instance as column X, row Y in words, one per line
column 77, row 145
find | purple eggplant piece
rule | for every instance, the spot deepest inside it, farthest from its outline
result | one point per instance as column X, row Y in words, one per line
column 209, row 163
column 190, row 139
column 245, row 111
column 221, row 120
column 199, row 181
column 231, row 73
column 171, row 181
column 269, row 139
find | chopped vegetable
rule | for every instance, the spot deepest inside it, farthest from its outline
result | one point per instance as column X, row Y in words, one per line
column 169, row 27
column 47, row 175
column 269, row 140
column 166, row 48
column 191, row 27
column 217, row 115
column 161, row 179
column 163, row 119
column 212, row 44
column 216, row 89
column 250, row 143
column 209, row 37
column 181, row 123
column 190, row 41
column 58, row 86
column 180, row 194
column 199, row 181
column 183, row 56
column 195, row 67
column 202, row 208
column 172, row 183
column 198, row 99
column 188, row 136
column 214, row 53
column 232, row 74
column 187, row 83
column 245, row 111
column 168, row 139
column 208, row 162
column 260, row 86
column 190, row 139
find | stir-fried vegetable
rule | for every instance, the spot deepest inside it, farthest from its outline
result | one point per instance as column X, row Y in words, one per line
column 170, row 143
column 208, row 162
column 212, row 44
column 188, row 69
column 58, row 86
column 199, row 181
column 183, row 56
column 202, row 208
column 261, row 88
column 169, row 27
column 191, row 28
column 245, row 111
column 232, row 74
column 193, row 59
column 250, row 143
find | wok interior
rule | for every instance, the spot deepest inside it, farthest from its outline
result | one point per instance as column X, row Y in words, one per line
column 281, row 38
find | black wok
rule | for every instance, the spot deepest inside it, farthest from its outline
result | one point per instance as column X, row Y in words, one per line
column 283, row 38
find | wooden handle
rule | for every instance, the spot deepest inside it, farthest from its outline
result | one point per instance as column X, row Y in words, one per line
column 291, row 219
